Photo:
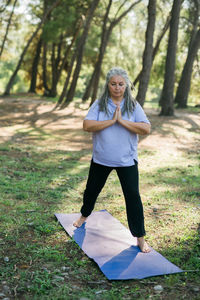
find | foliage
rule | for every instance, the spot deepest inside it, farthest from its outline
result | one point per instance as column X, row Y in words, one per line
column 125, row 47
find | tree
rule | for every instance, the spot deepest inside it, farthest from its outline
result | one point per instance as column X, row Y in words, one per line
column 148, row 52
column 167, row 98
column 60, row 33
column 102, row 47
column 44, row 69
column 59, row 63
column 12, row 78
column 55, row 61
column 106, row 32
column 64, row 90
column 194, row 44
column 34, row 70
column 157, row 45
column 8, row 25
column 79, row 57
column 184, row 83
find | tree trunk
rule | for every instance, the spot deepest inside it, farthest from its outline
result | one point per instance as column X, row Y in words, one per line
column 102, row 47
column 53, row 91
column 7, row 28
column 157, row 45
column 12, row 78
column 35, row 67
column 88, row 89
column 104, row 41
column 148, row 52
column 69, row 71
column 184, row 83
column 97, row 71
column 59, row 70
column 194, row 15
column 80, row 49
column 167, row 98
column 64, row 60
column 44, row 70
column 55, row 61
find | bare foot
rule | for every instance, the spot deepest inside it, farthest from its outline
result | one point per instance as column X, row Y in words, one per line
column 80, row 221
column 143, row 245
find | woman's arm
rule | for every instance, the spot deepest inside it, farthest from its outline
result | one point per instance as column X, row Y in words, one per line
column 135, row 127
column 92, row 126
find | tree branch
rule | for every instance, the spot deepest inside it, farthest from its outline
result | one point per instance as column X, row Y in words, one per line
column 8, row 2
column 7, row 28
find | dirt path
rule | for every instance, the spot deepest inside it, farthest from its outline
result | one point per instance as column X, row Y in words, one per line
column 38, row 119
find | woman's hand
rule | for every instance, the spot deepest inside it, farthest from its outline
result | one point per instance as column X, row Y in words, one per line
column 135, row 127
column 117, row 114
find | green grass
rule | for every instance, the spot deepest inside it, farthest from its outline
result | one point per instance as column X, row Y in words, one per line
column 44, row 263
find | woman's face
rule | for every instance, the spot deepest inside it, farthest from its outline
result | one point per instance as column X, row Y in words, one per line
column 117, row 86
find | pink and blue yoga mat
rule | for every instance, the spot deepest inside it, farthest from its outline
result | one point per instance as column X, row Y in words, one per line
column 111, row 245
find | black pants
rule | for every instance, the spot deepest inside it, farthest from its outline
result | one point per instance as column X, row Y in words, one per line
column 128, row 177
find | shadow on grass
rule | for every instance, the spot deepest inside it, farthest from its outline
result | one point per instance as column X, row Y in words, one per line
column 185, row 254
column 36, row 184
column 27, row 112
column 184, row 179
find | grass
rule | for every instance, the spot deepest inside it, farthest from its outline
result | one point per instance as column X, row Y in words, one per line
column 38, row 259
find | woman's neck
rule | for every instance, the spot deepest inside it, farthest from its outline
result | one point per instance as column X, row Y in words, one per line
column 117, row 101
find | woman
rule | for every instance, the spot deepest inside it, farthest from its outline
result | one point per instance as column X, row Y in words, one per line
column 115, row 121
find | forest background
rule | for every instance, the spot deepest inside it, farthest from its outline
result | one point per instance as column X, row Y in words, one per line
column 54, row 56
column 64, row 48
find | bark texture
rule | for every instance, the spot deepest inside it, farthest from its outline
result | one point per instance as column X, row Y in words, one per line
column 184, row 83
column 167, row 97
column 148, row 52
column 34, row 70
column 157, row 45
column 194, row 44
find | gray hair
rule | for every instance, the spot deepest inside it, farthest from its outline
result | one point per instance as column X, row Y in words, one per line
column 129, row 103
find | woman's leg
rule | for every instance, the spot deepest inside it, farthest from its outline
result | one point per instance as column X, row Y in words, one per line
column 129, row 180
column 97, row 177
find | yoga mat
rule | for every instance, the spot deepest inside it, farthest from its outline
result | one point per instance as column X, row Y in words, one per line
column 111, row 245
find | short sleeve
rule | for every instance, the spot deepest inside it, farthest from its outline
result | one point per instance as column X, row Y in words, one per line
column 140, row 115
column 93, row 112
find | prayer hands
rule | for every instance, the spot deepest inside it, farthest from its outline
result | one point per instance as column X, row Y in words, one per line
column 117, row 115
